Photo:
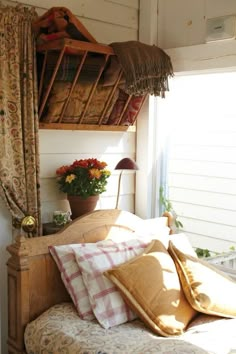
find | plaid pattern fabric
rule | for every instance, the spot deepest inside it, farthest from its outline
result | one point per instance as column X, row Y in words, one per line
column 94, row 259
column 69, row 66
column 72, row 278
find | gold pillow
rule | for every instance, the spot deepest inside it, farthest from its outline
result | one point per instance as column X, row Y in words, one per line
column 207, row 289
column 150, row 285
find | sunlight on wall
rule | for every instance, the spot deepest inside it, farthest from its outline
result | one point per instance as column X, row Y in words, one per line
column 199, row 119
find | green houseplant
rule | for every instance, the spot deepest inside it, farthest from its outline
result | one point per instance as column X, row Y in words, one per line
column 167, row 205
column 83, row 181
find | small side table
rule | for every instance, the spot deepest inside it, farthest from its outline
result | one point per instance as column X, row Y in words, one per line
column 51, row 228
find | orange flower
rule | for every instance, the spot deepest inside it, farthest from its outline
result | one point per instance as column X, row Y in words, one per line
column 102, row 165
column 62, row 170
column 84, row 177
column 80, row 163
column 95, row 173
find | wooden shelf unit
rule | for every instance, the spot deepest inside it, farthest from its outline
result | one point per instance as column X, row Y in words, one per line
column 75, row 47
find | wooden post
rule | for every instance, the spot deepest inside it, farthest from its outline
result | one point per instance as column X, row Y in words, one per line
column 18, row 301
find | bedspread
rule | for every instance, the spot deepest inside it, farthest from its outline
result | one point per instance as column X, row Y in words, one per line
column 60, row 330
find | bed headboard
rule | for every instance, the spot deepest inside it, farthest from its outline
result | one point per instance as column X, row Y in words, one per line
column 34, row 282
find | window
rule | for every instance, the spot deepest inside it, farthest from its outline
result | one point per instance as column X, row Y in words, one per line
column 199, row 114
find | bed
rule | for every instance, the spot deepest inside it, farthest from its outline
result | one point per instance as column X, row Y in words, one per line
column 44, row 319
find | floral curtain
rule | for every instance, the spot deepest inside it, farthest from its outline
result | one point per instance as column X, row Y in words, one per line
column 19, row 148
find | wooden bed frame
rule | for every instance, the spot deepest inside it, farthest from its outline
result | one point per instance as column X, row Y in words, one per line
column 34, row 282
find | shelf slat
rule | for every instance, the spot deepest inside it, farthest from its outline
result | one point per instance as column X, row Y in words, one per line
column 72, row 126
column 75, row 47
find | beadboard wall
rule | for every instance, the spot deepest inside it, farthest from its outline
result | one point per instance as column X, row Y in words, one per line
column 183, row 22
column 108, row 21
column 204, row 198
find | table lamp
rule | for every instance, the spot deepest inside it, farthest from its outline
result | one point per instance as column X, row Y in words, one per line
column 124, row 164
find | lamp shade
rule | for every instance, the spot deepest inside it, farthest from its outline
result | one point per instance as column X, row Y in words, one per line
column 126, row 164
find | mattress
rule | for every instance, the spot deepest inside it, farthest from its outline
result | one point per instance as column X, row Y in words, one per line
column 60, row 330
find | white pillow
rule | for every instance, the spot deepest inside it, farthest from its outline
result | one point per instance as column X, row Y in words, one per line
column 94, row 259
column 155, row 229
column 148, row 230
column 155, row 225
column 182, row 242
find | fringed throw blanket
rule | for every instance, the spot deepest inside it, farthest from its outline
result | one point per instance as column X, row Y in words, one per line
column 146, row 68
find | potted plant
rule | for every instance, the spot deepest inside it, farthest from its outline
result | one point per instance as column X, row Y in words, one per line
column 167, row 205
column 83, row 181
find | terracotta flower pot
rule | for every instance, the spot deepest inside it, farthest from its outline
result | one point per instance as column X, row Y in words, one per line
column 80, row 206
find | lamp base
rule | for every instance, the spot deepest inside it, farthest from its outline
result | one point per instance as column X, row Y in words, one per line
column 118, row 191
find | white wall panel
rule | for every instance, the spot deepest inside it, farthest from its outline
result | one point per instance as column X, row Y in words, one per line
column 50, row 162
column 108, row 33
column 210, row 138
column 183, row 22
column 203, row 183
column 206, row 242
column 202, row 164
column 129, row 3
column 105, row 11
column 59, row 148
column 214, row 200
column 50, row 190
column 108, row 21
column 126, row 201
column 215, row 230
column 210, row 57
column 205, row 168
column 55, row 141
column 206, row 213
column 205, row 153
column 52, row 199
column 216, row 8
column 187, row 28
